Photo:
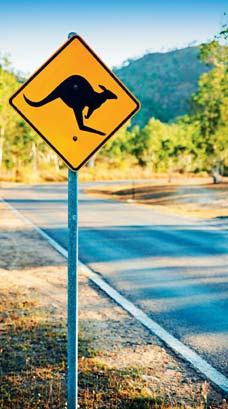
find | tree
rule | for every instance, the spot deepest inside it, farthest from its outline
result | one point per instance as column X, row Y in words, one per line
column 118, row 151
column 8, row 85
column 211, row 103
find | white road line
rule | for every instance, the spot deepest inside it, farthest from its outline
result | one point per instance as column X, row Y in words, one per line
column 177, row 346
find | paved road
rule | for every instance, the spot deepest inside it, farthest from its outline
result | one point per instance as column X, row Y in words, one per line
column 175, row 269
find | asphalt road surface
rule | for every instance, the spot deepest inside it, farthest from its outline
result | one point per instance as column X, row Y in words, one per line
column 173, row 268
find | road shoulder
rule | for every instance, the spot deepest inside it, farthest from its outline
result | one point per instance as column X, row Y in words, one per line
column 118, row 348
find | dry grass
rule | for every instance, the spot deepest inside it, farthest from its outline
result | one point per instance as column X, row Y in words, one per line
column 33, row 354
column 100, row 172
column 33, row 367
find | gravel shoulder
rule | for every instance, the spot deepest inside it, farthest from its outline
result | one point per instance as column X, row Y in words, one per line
column 119, row 342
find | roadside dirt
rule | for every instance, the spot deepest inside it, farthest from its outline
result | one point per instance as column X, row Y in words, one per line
column 28, row 263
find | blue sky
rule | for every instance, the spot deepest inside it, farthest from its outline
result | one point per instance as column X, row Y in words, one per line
column 30, row 31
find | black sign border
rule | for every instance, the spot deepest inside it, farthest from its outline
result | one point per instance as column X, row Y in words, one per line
column 78, row 38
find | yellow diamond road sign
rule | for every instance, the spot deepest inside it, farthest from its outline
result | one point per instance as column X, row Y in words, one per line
column 75, row 102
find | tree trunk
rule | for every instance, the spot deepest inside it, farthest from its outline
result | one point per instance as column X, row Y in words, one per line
column 34, row 157
column 2, row 133
column 56, row 161
column 91, row 162
column 216, row 175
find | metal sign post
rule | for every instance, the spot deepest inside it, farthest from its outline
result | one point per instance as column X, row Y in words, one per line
column 53, row 105
column 72, row 345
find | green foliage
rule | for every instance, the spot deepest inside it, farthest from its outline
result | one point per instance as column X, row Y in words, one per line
column 211, row 104
column 198, row 142
column 19, row 144
column 159, row 146
column 118, row 150
column 193, row 143
column 8, row 119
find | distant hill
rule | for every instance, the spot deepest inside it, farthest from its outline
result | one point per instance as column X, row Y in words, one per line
column 163, row 82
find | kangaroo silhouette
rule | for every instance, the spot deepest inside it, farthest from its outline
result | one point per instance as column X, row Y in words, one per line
column 77, row 93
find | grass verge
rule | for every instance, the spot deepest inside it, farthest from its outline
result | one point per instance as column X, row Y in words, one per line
column 33, row 364
column 33, row 354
